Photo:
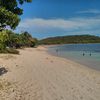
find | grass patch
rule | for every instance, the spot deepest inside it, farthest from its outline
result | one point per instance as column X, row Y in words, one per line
column 12, row 51
column 9, row 50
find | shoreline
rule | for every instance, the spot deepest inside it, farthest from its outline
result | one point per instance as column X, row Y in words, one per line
column 35, row 74
column 84, row 63
column 70, row 60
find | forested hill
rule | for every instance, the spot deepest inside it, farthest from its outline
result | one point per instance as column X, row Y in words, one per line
column 71, row 39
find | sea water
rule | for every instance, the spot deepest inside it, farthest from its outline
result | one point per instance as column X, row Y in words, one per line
column 86, row 54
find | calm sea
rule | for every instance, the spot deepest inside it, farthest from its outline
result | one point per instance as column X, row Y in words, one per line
column 86, row 54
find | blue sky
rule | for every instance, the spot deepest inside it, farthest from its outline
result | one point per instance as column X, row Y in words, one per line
column 47, row 18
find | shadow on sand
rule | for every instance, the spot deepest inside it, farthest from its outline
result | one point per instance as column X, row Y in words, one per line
column 3, row 70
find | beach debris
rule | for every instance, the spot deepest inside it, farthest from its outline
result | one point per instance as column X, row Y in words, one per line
column 3, row 70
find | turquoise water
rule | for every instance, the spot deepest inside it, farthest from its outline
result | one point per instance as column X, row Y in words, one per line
column 86, row 54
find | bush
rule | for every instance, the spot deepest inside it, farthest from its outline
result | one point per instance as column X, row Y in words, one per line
column 2, row 46
column 12, row 51
column 12, row 40
column 9, row 50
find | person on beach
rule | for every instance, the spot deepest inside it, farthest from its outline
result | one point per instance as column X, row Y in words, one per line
column 83, row 54
column 90, row 54
column 57, row 51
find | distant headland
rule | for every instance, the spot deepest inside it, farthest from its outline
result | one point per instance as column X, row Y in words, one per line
column 70, row 39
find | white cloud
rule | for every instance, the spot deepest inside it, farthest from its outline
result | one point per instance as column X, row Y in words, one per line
column 60, row 26
column 92, row 11
column 53, row 23
column 73, row 23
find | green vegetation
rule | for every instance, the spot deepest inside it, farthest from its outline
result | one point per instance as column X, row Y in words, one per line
column 71, row 39
column 9, row 13
column 10, row 51
column 10, row 41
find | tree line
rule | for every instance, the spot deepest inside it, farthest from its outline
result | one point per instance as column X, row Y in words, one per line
column 10, row 40
column 71, row 39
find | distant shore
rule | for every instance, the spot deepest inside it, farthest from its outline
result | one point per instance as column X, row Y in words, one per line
column 37, row 75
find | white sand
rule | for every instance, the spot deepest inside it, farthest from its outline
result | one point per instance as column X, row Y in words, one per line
column 36, row 75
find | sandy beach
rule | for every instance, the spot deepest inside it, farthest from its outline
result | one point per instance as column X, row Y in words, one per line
column 37, row 75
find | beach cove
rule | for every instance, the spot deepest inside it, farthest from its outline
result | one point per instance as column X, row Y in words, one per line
column 84, row 54
column 36, row 75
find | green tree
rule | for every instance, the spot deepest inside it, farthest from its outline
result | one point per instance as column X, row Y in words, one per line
column 10, row 40
column 27, row 40
column 3, row 40
column 9, row 13
column 13, row 39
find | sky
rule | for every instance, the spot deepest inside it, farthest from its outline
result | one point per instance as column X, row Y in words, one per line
column 49, row 18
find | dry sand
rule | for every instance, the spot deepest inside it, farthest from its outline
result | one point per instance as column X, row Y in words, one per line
column 36, row 75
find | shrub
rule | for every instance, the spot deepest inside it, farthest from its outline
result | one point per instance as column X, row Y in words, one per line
column 12, row 51
column 9, row 50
